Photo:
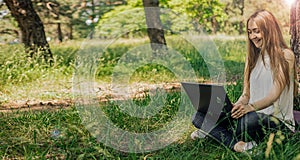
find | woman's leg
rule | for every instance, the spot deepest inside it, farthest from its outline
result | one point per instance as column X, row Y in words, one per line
column 256, row 126
column 252, row 126
column 222, row 131
column 249, row 127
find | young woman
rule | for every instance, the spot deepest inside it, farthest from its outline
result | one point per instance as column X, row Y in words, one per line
column 266, row 104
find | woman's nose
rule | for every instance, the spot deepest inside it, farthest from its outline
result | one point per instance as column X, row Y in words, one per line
column 252, row 36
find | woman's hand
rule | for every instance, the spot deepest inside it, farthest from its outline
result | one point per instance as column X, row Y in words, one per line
column 240, row 110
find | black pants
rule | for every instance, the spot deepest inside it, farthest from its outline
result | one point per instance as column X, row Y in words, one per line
column 252, row 126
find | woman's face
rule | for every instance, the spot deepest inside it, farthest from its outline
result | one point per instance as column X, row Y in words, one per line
column 254, row 34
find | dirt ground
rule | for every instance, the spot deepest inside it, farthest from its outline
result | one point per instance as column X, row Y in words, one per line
column 103, row 92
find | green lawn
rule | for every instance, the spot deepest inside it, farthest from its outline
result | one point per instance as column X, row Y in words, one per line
column 60, row 134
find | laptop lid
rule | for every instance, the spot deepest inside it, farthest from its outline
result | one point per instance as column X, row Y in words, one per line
column 206, row 97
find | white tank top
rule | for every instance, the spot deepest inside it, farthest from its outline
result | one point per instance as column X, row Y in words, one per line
column 261, row 82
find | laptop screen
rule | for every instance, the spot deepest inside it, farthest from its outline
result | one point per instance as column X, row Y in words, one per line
column 207, row 97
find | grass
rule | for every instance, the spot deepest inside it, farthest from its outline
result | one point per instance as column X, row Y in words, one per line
column 24, row 78
column 61, row 135
column 66, row 133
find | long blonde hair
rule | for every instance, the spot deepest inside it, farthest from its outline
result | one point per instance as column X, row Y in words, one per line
column 273, row 45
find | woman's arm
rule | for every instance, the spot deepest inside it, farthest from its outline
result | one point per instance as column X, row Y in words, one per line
column 276, row 90
column 272, row 96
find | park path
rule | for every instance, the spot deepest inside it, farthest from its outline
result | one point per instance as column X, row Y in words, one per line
column 104, row 93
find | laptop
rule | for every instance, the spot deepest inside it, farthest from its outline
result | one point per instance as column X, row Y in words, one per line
column 205, row 98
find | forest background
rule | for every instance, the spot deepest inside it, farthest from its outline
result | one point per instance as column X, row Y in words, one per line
column 74, row 19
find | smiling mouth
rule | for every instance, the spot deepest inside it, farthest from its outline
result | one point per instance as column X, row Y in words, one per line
column 257, row 41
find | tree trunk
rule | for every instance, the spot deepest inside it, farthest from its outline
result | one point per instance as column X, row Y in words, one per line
column 59, row 32
column 295, row 29
column 154, row 25
column 31, row 26
column 241, row 26
column 70, row 35
column 295, row 39
column 214, row 25
column 240, row 4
